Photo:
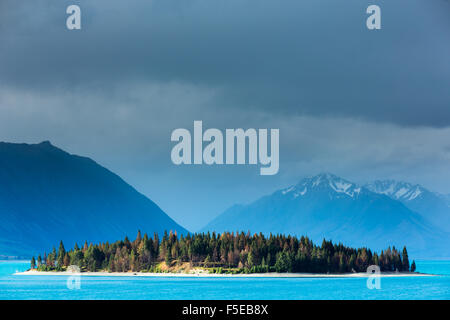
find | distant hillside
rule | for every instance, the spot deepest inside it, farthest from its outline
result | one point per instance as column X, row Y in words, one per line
column 326, row 206
column 47, row 195
column 432, row 206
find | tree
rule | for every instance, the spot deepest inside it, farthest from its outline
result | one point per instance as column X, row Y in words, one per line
column 54, row 254
column 138, row 238
column 207, row 260
column 351, row 263
column 61, row 254
column 376, row 259
column 342, row 265
column 405, row 261
column 250, row 259
column 283, row 263
column 51, row 258
column 66, row 260
column 413, row 266
column 33, row 263
column 133, row 261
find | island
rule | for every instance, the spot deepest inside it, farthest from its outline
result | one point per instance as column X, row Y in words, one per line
column 225, row 254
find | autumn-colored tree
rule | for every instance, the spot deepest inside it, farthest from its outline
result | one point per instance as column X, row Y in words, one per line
column 66, row 260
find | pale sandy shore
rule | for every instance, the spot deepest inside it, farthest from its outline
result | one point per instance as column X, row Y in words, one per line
column 215, row 275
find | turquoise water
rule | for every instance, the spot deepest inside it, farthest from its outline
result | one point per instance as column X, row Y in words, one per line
column 55, row 287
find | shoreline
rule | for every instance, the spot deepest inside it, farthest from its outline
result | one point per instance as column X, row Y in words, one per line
column 216, row 275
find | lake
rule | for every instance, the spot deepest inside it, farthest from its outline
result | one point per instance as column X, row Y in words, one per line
column 96, row 287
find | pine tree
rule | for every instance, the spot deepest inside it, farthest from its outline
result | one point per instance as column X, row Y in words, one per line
column 51, row 258
column 250, row 259
column 133, row 261
column 33, row 263
column 66, row 260
column 138, row 238
column 342, row 266
column 269, row 259
column 351, row 263
column 283, row 263
column 61, row 254
column 168, row 257
column 405, row 261
column 413, row 266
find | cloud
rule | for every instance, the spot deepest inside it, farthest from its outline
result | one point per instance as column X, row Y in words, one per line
column 301, row 57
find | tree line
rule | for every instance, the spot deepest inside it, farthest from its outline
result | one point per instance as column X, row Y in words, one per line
column 222, row 253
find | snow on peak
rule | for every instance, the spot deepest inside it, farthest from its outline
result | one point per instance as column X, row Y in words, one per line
column 324, row 181
column 343, row 186
column 417, row 192
column 397, row 190
column 288, row 190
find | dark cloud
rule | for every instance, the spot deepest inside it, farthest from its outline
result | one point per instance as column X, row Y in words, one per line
column 294, row 57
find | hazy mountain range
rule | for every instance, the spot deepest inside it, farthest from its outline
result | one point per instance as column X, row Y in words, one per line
column 433, row 206
column 48, row 195
column 327, row 206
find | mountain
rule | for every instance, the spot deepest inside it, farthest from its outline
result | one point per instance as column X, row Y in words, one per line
column 445, row 198
column 48, row 195
column 433, row 206
column 326, row 206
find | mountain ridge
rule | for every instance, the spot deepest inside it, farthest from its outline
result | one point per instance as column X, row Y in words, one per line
column 327, row 206
column 431, row 205
column 48, row 195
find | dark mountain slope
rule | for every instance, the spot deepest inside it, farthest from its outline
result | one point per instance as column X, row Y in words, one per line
column 47, row 195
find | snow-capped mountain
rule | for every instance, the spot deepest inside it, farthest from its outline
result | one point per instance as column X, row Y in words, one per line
column 431, row 205
column 402, row 191
column 327, row 206
column 335, row 186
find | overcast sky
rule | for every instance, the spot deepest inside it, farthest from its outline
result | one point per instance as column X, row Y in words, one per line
column 361, row 104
